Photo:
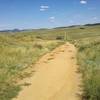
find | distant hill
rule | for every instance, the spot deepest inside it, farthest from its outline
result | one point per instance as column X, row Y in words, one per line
column 46, row 29
column 14, row 30
column 72, row 26
column 92, row 24
column 67, row 27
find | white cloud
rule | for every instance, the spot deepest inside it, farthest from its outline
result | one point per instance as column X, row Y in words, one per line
column 52, row 19
column 83, row 2
column 94, row 18
column 44, row 7
column 71, row 21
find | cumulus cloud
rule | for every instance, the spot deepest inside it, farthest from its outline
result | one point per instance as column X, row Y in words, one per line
column 52, row 19
column 44, row 7
column 83, row 2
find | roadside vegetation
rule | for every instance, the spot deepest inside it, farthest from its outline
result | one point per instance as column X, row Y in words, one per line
column 89, row 61
column 17, row 53
column 20, row 51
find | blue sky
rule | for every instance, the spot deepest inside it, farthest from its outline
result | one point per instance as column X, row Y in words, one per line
column 24, row 14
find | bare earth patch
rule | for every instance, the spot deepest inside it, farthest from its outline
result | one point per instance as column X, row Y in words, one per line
column 57, row 79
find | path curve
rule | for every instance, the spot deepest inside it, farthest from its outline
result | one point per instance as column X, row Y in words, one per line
column 55, row 77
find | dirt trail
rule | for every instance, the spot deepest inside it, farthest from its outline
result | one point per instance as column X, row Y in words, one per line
column 55, row 77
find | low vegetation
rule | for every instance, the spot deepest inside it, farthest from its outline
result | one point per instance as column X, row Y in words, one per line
column 17, row 53
column 89, row 61
column 20, row 50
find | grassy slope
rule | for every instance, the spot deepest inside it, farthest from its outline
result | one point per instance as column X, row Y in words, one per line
column 20, row 50
column 88, row 45
column 89, row 60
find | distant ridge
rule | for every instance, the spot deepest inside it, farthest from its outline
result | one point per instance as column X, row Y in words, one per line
column 92, row 24
column 41, row 29
column 67, row 27
column 14, row 30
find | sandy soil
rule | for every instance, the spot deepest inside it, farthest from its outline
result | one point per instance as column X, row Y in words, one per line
column 56, row 77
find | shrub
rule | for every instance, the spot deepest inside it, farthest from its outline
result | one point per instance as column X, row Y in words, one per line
column 59, row 38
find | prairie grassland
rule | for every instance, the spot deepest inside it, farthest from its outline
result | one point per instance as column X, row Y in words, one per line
column 73, row 33
column 17, row 53
column 20, row 50
column 89, row 61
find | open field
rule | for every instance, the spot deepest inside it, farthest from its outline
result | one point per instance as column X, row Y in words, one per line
column 72, row 33
column 16, row 55
column 89, row 61
column 20, row 50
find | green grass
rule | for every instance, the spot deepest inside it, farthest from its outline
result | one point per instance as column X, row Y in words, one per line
column 18, row 53
column 89, row 60
column 20, row 50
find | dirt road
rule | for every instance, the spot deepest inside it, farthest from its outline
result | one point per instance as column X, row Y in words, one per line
column 55, row 77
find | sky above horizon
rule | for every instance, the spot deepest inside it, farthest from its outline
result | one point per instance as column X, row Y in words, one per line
column 25, row 14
